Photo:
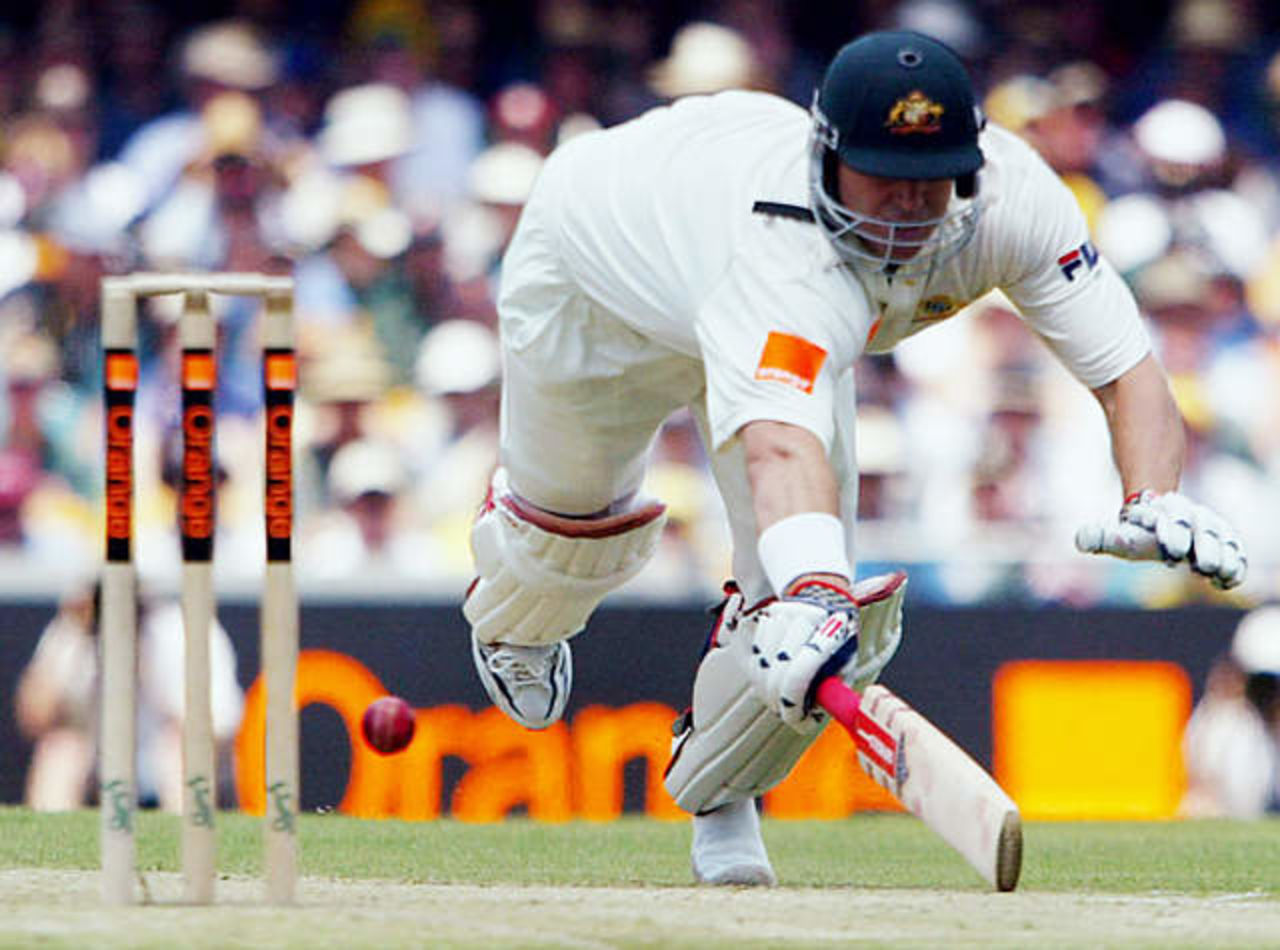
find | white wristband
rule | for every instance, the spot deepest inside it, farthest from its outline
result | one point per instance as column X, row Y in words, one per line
column 808, row 543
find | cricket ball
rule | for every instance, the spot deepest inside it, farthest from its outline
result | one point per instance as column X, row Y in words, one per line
column 388, row 725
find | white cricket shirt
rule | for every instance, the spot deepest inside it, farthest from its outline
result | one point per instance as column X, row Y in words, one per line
column 659, row 224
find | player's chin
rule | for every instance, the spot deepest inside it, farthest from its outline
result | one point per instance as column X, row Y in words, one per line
column 902, row 247
column 907, row 242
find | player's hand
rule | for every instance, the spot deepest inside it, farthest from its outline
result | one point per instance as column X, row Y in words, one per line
column 1172, row 528
column 811, row 633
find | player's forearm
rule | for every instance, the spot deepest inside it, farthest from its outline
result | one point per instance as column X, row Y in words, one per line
column 797, row 504
column 789, row 473
column 1147, row 437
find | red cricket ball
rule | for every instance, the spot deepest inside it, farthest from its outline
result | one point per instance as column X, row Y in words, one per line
column 388, row 725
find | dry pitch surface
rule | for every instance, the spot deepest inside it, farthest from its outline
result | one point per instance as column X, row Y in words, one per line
column 62, row 909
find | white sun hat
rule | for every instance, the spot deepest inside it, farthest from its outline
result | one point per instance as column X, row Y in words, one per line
column 1256, row 644
column 458, row 356
column 1181, row 133
column 366, row 124
column 365, row 467
column 503, row 174
column 705, row 58
column 231, row 53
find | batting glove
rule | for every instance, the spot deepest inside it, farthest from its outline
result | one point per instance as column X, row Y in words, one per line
column 808, row 635
column 1172, row 528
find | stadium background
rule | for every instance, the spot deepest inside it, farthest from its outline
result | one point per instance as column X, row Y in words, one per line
column 980, row 460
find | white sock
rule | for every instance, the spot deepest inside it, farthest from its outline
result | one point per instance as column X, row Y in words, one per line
column 728, row 849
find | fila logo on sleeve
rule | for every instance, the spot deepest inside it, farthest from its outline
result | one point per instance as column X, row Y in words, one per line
column 1086, row 256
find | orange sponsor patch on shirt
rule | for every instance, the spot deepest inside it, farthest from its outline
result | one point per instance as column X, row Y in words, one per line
column 792, row 360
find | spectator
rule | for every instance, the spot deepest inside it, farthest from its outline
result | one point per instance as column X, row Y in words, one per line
column 161, row 703
column 369, row 534
column 57, row 704
column 43, row 461
column 444, row 123
column 1232, row 742
column 216, row 57
column 1063, row 117
column 343, row 376
column 522, row 112
column 223, row 213
column 706, row 58
column 457, row 366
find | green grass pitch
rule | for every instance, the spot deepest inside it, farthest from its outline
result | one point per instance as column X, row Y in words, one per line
column 389, row 883
column 1194, row 857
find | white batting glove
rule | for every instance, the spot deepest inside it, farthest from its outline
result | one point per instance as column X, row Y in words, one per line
column 1172, row 528
column 809, row 634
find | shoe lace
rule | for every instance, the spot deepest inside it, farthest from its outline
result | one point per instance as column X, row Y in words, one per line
column 521, row 665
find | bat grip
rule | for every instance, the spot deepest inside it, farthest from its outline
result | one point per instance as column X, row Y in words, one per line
column 840, row 700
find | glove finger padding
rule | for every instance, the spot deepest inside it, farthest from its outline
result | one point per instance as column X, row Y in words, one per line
column 1174, row 518
column 1215, row 551
column 1207, row 549
column 1129, row 541
column 1172, row 528
column 800, row 676
column 793, row 642
column 1233, row 566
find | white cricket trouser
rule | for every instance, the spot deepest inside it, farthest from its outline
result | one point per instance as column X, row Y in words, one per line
column 584, row 396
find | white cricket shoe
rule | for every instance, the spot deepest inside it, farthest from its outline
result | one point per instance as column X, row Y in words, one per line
column 529, row 684
column 728, row 849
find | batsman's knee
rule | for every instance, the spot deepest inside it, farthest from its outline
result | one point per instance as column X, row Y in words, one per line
column 541, row 575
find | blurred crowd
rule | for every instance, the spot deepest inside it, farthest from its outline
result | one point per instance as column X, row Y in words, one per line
column 1231, row 744
column 57, row 704
column 380, row 151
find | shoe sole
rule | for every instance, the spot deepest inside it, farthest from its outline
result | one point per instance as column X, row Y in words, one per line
column 740, row 875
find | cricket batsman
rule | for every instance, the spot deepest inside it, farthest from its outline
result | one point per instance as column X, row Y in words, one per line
column 736, row 254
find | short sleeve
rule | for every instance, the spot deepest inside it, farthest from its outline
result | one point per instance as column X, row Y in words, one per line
column 777, row 331
column 1064, row 289
column 1097, row 332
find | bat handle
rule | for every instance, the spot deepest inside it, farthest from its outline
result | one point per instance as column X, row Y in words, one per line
column 840, row 700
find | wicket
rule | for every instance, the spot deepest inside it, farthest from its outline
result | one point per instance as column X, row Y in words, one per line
column 197, row 520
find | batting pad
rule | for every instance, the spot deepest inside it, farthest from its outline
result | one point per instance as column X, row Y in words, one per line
column 541, row 575
column 879, row 626
column 734, row 746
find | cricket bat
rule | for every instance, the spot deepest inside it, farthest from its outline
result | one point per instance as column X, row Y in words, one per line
column 932, row 777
